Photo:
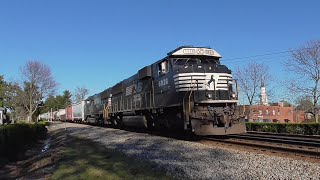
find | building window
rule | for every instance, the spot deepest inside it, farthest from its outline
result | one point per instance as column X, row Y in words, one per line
column 286, row 120
column 273, row 112
column 267, row 112
column 278, row 112
column 260, row 112
column 267, row 120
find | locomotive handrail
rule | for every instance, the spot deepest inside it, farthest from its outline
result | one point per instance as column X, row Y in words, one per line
column 214, row 89
column 120, row 105
column 145, row 99
column 150, row 103
column 189, row 99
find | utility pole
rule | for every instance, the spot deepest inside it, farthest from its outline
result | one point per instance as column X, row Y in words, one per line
column 316, row 114
column 51, row 115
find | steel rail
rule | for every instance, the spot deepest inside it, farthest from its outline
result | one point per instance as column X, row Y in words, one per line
column 288, row 137
column 285, row 135
column 279, row 139
column 293, row 149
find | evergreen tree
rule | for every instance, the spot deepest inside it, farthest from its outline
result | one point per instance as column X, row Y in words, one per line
column 2, row 91
column 57, row 102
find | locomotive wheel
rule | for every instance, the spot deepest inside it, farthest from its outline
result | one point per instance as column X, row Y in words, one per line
column 151, row 123
column 114, row 122
column 118, row 121
column 100, row 121
column 175, row 120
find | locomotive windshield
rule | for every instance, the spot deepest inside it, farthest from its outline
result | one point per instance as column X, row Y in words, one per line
column 194, row 61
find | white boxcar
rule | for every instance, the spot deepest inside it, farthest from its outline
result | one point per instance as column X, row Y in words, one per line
column 78, row 112
column 45, row 116
column 54, row 116
column 61, row 115
column 1, row 115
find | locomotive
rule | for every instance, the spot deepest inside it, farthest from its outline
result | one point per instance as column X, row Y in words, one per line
column 188, row 90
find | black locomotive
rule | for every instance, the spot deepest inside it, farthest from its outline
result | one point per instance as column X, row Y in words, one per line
column 187, row 90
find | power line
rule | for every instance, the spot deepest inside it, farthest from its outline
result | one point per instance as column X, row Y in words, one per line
column 267, row 54
column 246, row 57
column 259, row 59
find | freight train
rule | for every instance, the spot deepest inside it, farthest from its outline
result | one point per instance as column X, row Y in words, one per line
column 188, row 90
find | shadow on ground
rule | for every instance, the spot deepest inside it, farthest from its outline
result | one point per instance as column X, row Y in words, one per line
column 85, row 159
column 38, row 161
column 68, row 157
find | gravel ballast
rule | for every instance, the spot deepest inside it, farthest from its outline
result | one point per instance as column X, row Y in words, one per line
column 192, row 160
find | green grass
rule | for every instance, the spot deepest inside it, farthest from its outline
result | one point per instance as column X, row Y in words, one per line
column 89, row 160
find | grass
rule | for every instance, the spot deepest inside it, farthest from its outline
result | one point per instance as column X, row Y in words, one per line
column 83, row 159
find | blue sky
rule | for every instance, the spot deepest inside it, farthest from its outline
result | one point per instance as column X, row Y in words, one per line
column 98, row 43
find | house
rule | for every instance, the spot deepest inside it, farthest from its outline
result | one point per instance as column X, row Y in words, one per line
column 274, row 113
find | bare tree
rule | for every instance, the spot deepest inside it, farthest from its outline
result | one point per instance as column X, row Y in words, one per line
column 80, row 94
column 250, row 78
column 38, row 83
column 304, row 103
column 305, row 65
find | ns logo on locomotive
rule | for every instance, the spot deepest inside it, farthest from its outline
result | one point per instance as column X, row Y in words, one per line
column 188, row 90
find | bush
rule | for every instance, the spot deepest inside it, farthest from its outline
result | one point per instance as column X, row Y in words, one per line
column 14, row 138
column 45, row 123
column 306, row 129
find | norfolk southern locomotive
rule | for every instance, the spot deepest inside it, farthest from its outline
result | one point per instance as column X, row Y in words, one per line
column 187, row 90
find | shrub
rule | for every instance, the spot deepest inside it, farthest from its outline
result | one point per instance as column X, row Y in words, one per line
column 45, row 123
column 14, row 138
column 306, row 129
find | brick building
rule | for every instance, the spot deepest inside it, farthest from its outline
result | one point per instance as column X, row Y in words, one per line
column 275, row 113
column 302, row 116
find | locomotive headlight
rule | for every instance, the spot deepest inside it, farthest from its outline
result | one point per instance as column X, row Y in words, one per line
column 209, row 95
column 233, row 95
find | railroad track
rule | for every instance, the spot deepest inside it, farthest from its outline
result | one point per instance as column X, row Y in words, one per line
column 297, row 146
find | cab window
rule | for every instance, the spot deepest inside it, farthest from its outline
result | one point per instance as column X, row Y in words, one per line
column 163, row 67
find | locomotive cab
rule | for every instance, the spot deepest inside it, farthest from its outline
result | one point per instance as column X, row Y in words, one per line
column 209, row 94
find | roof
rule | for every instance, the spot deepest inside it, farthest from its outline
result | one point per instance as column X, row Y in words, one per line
column 191, row 50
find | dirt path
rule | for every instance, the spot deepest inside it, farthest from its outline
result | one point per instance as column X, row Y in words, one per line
column 39, row 161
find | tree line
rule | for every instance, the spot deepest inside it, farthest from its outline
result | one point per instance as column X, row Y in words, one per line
column 35, row 93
